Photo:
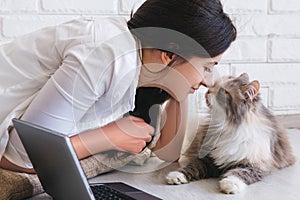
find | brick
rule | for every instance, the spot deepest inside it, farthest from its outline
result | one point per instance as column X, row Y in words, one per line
column 246, row 49
column 126, row 6
column 79, row 6
column 285, row 5
column 284, row 50
column 265, row 25
column 244, row 6
column 13, row 6
column 285, row 98
column 13, row 26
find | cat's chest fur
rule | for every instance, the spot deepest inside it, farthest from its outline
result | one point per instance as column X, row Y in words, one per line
column 251, row 141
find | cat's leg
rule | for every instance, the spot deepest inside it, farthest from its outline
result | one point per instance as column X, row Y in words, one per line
column 195, row 169
column 236, row 179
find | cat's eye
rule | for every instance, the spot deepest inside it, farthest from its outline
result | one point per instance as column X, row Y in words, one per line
column 222, row 91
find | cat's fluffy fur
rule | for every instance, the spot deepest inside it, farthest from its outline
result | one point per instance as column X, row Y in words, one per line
column 240, row 141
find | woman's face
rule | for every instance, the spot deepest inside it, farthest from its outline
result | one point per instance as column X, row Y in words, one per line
column 180, row 78
column 198, row 71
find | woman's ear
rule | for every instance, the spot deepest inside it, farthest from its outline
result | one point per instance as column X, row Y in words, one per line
column 166, row 57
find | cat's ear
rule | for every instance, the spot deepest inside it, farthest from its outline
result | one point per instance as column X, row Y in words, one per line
column 244, row 77
column 251, row 90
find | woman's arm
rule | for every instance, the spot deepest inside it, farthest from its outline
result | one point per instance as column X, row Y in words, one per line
column 6, row 164
column 128, row 134
column 168, row 147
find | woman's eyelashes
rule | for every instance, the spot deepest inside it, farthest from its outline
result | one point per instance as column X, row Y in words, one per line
column 208, row 69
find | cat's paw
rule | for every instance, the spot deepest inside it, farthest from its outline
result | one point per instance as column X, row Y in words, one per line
column 176, row 178
column 232, row 185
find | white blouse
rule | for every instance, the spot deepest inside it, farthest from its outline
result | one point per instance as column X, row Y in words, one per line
column 69, row 78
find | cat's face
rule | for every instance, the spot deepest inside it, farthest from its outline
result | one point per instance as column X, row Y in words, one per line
column 232, row 96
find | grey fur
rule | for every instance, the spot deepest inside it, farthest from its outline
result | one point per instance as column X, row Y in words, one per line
column 241, row 104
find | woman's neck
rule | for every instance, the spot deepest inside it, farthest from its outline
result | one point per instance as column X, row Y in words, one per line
column 150, row 56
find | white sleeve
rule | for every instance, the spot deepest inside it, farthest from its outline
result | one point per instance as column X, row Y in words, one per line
column 26, row 65
column 70, row 92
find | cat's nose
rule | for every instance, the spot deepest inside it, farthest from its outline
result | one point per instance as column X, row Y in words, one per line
column 208, row 92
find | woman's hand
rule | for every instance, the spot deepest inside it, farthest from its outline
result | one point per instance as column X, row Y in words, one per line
column 168, row 146
column 128, row 134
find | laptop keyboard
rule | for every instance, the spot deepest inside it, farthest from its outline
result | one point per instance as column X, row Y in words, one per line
column 107, row 193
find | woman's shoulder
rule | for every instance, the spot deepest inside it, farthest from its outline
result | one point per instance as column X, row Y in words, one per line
column 85, row 25
column 97, row 29
column 111, row 27
column 116, row 22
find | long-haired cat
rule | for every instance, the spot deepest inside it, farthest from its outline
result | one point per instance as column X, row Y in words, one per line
column 240, row 142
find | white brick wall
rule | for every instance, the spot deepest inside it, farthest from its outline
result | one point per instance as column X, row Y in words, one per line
column 18, row 6
column 244, row 6
column 77, row 6
column 285, row 6
column 267, row 46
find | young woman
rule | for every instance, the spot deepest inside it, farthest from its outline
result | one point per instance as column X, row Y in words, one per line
column 79, row 78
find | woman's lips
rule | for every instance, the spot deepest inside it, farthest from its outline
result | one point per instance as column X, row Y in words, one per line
column 193, row 90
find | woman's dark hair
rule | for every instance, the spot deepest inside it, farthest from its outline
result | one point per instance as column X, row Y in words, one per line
column 203, row 21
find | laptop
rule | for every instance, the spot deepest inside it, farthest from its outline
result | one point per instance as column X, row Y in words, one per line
column 59, row 170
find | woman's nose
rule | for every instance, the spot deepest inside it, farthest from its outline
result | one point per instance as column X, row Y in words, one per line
column 197, row 85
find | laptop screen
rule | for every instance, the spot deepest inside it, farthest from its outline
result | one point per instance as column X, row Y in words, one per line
column 55, row 161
